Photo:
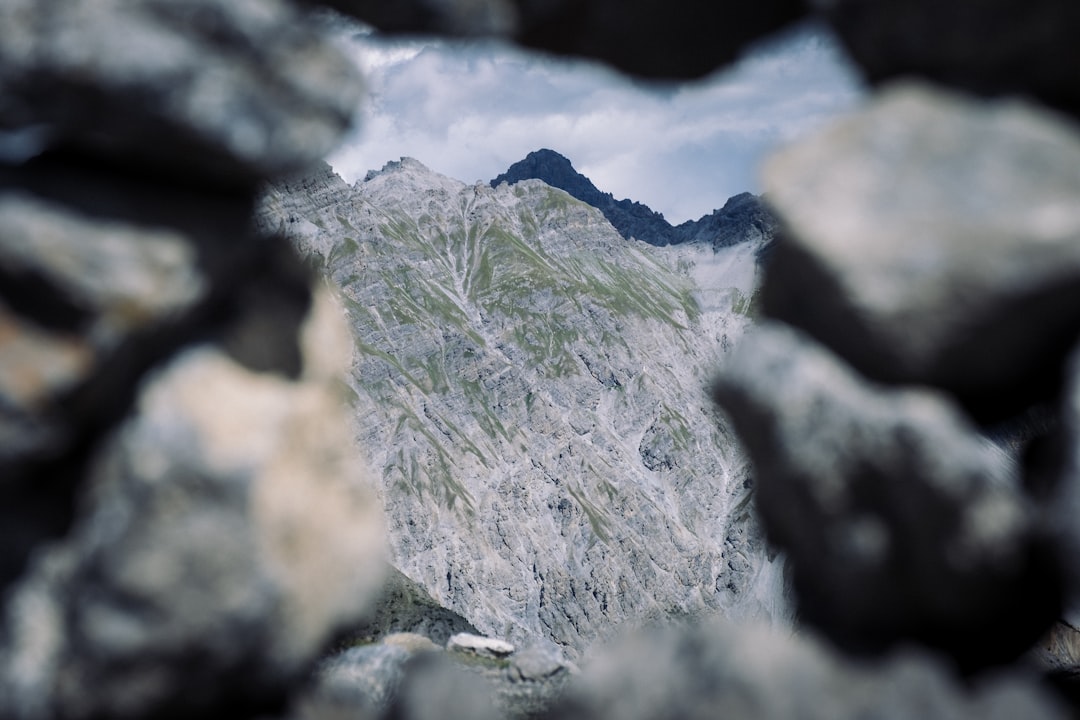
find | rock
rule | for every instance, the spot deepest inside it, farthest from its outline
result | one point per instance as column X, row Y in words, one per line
column 716, row 670
column 1061, row 456
column 226, row 93
column 999, row 47
column 645, row 37
column 362, row 681
column 478, row 645
column 924, row 234
column 226, row 520
column 538, row 662
column 412, row 642
column 899, row 521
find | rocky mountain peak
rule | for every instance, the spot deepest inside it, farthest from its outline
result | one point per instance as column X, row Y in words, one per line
column 743, row 216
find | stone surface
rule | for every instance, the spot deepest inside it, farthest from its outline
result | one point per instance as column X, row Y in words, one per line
column 682, row 39
column 238, row 90
column 515, row 357
column 479, row 645
column 537, row 662
column 925, row 233
column 700, row 672
column 228, row 521
column 997, row 47
column 900, row 522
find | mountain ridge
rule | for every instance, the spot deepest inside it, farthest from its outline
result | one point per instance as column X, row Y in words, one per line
column 743, row 216
column 529, row 389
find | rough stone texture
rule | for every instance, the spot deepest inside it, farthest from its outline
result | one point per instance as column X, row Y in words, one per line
column 723, row 671
column 239, row 89
column 650, row 38
column 225, row 523
column 925, row 233
column 995, row 47
column 516, row 355
column 900, row 522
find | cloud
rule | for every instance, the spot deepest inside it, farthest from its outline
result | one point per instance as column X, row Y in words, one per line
column 469, row 110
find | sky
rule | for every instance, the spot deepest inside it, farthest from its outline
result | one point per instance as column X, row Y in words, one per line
column 470, row 109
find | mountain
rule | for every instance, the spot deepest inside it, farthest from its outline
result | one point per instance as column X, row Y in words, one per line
column 744, row 216
column 529, row 388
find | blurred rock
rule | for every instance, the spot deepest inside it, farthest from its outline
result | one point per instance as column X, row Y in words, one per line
column 649, row 38
column 103, row 275
column 994, row 47
column 935, row 240
column 723, row 671
column 899, row 521
column 361, row 681
column 479, row 645
column 223, row 92
column 537, row 662
column 225, row 534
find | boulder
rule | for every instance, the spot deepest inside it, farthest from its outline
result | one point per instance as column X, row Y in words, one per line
column 716, row 670
column 226, row 92
column 934, row 239
column 994, row 47
column 226, row 532
column 479, row 645
column 899, row 521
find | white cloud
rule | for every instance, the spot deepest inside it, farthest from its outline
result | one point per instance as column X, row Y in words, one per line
column 469, row 110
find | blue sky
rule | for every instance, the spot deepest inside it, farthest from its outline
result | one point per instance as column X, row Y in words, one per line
column 470, row 109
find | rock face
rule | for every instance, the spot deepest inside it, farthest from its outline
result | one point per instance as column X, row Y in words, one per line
column 900, row 522
column 532, row 392
column 923, row 283
column 743, row 217
column 648, row 38
column 720, row 670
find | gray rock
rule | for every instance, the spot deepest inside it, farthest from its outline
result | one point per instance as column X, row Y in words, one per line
column 925, row 233
column 225, row 92
column 900, row 522
column 360, row 680
column 684, row 39
column 715, row 670
column 102, row 276
column 403, row 606
column 537, row 662
column 995, row 47
column 479, row 645
column 226, row 521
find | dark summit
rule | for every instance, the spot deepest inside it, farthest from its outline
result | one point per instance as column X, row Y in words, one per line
column 743, row 217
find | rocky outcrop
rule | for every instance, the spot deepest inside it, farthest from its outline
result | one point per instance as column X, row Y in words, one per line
column 743, row 218
column 923, row 283
column 900, row 522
